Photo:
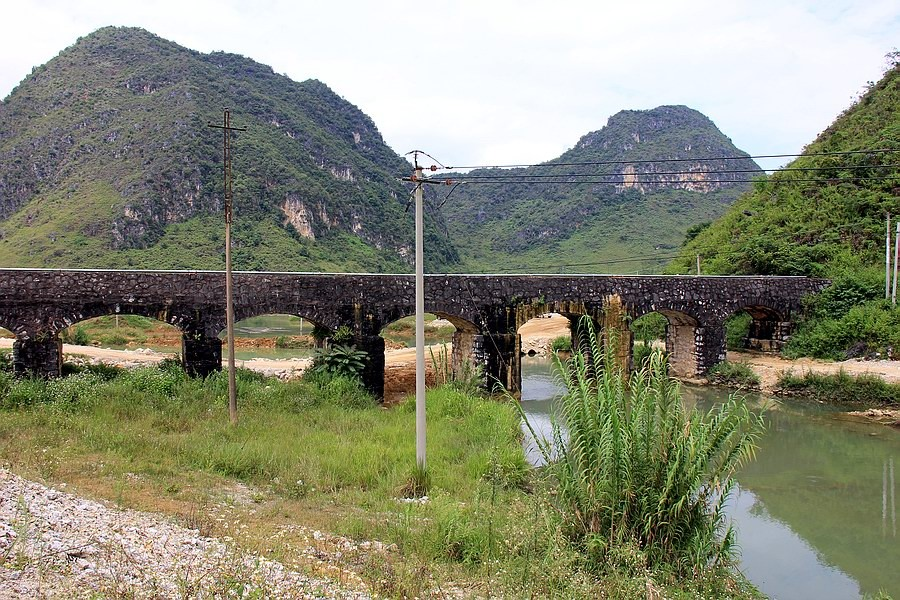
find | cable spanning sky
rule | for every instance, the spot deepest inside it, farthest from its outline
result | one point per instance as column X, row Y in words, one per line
column 506, row 81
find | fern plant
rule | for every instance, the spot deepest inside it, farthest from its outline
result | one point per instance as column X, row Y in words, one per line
column 346, row 361
column 640, row 480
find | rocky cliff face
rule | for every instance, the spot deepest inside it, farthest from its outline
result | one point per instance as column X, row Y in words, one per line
column 106, row 148
column 687, row 151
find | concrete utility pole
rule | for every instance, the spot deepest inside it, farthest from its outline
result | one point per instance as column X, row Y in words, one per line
column 896, row 256
column 420, row 322
column 229, row 305
column 887, row 258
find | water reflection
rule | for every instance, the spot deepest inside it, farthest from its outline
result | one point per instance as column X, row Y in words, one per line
column 815, row 512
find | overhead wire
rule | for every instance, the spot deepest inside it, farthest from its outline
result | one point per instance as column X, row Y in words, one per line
column 656, row 160
column 647, row 178
column 641, row 179
column 688, row 172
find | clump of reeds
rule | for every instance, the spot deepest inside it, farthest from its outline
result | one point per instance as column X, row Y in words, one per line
column 641, row 482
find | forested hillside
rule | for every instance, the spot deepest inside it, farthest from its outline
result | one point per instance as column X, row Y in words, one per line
column 624, row 193
column 107, row 160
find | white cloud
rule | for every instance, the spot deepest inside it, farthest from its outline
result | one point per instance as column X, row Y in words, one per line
column 503, row 81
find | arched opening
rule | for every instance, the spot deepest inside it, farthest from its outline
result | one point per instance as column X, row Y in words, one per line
column 541, row 337
column 648, row 334
column 757, row 327
column 400, row 355
column 680, row 332
column 276, row 343
column 121, row 339
column 123, row 332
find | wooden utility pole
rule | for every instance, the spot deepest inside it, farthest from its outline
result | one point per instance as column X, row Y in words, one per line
column 229, row 305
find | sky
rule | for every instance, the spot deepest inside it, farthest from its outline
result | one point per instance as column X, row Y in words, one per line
column 515, row 82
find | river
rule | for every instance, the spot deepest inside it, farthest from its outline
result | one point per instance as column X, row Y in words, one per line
column 815, row 513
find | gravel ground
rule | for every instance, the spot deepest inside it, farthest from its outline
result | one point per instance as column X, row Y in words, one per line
column 57, row 545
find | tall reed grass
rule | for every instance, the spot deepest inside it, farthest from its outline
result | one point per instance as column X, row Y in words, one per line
column 641, row 482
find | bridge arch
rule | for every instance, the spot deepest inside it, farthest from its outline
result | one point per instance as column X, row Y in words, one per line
column 767, row 329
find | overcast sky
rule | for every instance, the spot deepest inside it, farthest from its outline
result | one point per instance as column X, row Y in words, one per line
column 498, row 82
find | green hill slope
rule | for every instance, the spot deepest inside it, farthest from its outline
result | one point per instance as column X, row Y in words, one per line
column 106, row 160
column 788, row 226
column 832, row 227
column 600, row 217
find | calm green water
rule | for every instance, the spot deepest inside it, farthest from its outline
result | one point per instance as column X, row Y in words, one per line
column 816, row 513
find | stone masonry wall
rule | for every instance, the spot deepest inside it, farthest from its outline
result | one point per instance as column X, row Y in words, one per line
column 38, row 304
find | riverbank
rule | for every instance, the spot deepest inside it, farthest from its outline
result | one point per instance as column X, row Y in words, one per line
column 306, row 456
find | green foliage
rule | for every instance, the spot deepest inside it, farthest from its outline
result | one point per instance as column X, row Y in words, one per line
column 640, row 481
column 469, row 381
column 841, row 387
column 788, row 226
column 562, row 343
column 833, row 227
column 734, row 374
column 478, row 528
column 737, row 328
column 342, row 335
column 344, row 361
column 340, row 390
column 291, row 342
column 649, row 327
column 850, row 318
column 695, row 230
column 76, row 335
column 641, row 353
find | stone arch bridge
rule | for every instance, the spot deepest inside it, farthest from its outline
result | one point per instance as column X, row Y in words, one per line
column 487, row 310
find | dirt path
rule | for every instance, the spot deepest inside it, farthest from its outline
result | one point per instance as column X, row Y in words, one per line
column 769, row 367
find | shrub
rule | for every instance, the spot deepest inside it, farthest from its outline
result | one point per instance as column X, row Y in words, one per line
column 290, row 342
column 164, row 382
column 75, row 335
column 342, row 335
column 6, row 361
column 841, row 387
column 346, row 361
column 637, row 471
column 734, row 374
column 649, row 327
column 737, row 328
column 561, row 344
column 641, row 355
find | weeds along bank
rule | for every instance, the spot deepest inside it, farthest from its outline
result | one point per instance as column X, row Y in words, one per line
column 321, row 453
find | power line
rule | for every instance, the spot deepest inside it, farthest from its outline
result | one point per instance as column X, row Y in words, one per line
column 692, row 172
column 638, row 179
column 656, row 160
